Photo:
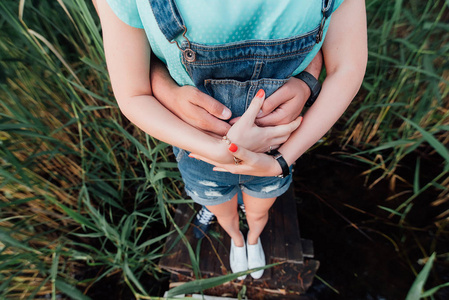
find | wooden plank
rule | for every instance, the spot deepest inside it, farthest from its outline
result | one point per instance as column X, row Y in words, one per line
column 281, row 241
column 291, row 234
column 307, row 248
column 277, row 235
column 290, row 281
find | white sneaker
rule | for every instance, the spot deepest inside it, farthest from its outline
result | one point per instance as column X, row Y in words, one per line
column 256, row 258
column 237, row 258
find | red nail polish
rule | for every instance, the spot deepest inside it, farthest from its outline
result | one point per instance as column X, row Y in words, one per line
column 233, row 147
column 260, row 93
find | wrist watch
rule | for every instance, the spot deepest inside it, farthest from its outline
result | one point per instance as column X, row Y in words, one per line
column 284, row 166
column 313, row 84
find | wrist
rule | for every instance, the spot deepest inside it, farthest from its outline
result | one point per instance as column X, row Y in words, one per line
column 276, row 169
column 222, row 152
column 282, row 163
column 313, row 84
column 305, row 89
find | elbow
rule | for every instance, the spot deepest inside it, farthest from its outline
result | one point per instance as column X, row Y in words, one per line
column 127, row 102
column 353, row 69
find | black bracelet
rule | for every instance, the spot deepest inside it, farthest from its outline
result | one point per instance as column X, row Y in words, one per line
column 284, row 166
column 313, row 84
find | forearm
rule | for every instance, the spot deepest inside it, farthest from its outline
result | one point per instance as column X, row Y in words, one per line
column 337, row 93
column 162, row 83
column 316, row 65
column 148, row 114
column 345, row 54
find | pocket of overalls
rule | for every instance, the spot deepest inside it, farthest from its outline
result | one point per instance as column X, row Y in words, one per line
column 237, row 95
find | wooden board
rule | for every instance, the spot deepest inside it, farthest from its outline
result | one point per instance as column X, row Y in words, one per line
column 280, row 238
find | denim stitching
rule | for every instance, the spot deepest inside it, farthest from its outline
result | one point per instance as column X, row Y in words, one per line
column 252, row 43
column 263, row 81
column 173, row 12
column 264, row 57
column 257, row 70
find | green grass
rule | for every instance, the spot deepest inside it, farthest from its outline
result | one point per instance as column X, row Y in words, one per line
column 82, row 189
column 403, row 107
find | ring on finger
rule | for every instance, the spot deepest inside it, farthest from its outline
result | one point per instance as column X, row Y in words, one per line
column 237, row 161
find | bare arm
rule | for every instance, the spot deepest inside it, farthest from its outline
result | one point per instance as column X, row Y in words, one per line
column 128, row 60
column 345, row 56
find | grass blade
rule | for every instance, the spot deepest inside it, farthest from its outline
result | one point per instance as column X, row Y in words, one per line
column 416, row 290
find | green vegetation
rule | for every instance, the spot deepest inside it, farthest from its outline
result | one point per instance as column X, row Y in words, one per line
column 84, row 195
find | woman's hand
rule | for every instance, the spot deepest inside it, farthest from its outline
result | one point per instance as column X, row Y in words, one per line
column 247, row 134
column 250, row 163
column 209, row 115
column 284, row 105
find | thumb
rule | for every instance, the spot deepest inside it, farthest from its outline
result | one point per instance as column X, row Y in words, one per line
column 254, row 108
column 212, row 106
column 239, row 152
column 234, row 120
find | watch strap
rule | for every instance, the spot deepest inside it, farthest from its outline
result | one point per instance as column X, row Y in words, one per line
column 313, row 84
column 282, row 162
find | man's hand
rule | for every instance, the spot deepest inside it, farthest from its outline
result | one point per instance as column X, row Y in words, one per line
column 206, row 113
column 188, row 103
column 285, row 104
column 200, row 110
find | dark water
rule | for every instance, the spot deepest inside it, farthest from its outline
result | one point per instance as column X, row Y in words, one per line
column 364, row 254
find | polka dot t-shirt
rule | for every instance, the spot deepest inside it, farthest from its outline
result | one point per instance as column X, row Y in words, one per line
column 215, row 22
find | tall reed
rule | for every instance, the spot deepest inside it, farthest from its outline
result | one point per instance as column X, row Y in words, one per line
column 84, row 191
column 81, row 188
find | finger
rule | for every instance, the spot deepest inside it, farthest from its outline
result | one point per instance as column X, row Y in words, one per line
column 254, row 108
column 280, row 133
column 205, row 121
column 287, row 129
column 274, row 101
column 234, row 120
column 211, row 105
column 240, row 152
column 273, row 147
column 199, row 157
column 277, row 117
column 220, row 169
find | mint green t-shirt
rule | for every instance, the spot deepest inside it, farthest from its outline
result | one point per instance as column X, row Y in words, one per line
column 215, row 22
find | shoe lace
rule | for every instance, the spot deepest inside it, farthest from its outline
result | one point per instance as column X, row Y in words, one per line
column 205, row 217
column 242, row 207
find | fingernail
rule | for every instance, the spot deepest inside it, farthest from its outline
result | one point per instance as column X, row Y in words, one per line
column 233, row 147
column 260, row 113
column 260, row 93
column 226, row 114
column 300, row 119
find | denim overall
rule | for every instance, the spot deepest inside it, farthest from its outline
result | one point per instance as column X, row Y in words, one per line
column 232, row 73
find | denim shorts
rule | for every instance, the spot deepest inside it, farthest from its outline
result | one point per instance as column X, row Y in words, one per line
column 208, row 187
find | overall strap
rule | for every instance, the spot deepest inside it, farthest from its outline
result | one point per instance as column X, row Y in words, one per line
column 327, row 9
column 168, row 18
